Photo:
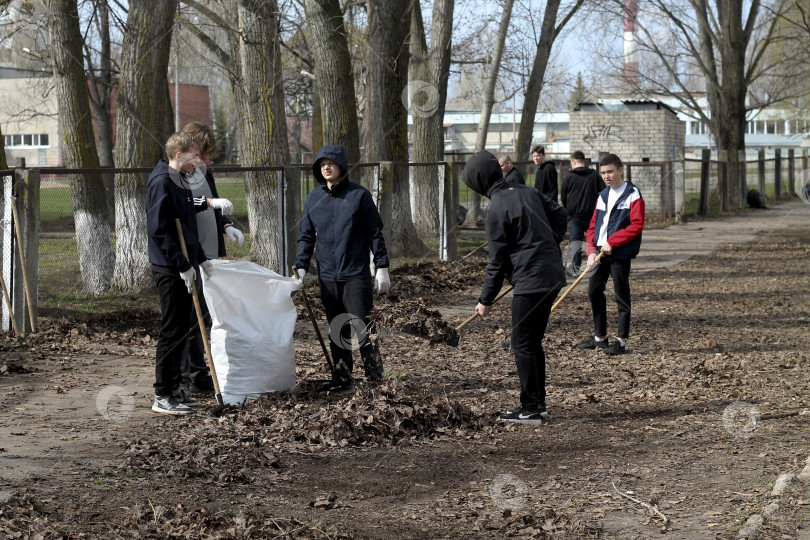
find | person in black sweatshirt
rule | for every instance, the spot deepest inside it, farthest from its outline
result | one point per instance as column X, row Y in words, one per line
column 169, row 198
column 510, row 173
column 524, row 230
column 545, row 179
column 579, row 191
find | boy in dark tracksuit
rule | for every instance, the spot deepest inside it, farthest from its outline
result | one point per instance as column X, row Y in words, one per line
column 167, row 199
column 615, row 231
column 342, row 221
column 524, row 229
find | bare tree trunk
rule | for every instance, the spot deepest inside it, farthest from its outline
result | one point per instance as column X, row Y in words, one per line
column 548, row 33
column 487, row 103
column 140, row 131
column 429, row 72
column 101, row 85
column 386, row 119
column 257, row 87
column 93, row 234
column 333, row 76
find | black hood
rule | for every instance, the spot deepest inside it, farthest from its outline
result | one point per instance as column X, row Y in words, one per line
column 482, row 172
column 583, row 171
column 335, row 153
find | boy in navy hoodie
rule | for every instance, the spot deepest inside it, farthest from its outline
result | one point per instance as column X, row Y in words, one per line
column 342, row 221
column 615, row 231
column 168, row 197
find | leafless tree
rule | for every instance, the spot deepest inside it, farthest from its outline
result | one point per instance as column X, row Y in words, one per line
column 93, row 233
column 140, row 131
column 386, row 117
column 488, row 101
column 429, row 71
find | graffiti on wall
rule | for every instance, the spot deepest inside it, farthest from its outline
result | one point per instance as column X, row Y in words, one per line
column 603, row 135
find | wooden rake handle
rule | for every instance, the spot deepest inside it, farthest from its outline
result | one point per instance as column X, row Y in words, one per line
column 557, row 303
column 315, row 324
column 575, row 283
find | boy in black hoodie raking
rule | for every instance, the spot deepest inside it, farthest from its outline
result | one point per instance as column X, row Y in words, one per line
column 524, row 229
column 342, row 221
column 168, row 198
column 580, row 189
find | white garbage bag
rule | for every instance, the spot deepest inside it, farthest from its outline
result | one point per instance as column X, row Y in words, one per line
column 253, row 319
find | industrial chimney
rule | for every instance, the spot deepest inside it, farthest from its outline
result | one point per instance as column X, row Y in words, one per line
column 631, row 78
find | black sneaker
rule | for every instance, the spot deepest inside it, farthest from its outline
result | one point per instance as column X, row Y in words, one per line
column 204, row 386
column 183, row 395
column 615, row 348
column 525, row 417
column 592, row 344
column 169, row 405
column 541, row 408
column 336, row 389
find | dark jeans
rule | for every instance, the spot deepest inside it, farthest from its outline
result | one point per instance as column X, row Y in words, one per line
column 176, row 308
column 530, row 314
column 348, row 305
column 620, row 271
column 578, row 226
column 194, row 368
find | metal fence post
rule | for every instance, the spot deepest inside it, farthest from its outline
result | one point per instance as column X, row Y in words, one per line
column 292, row 214
column 742, row 178
column 791, row 171
column 448, row 231
column 722, row 178
column 705, row 165
column 26, row 193
column 761, row 170
column 777, row 173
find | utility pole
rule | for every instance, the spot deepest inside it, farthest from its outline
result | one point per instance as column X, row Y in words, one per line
column 177, row 125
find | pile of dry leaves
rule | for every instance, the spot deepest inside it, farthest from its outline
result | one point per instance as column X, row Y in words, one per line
column 250, row 437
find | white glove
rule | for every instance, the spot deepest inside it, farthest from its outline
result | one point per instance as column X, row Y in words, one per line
column 208, row 266
column 188, row 278
column 301, row 274
column 381, row 280
column 234, row 235
column 222, row 204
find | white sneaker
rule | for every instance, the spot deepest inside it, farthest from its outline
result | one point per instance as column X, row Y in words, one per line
column 169, row 405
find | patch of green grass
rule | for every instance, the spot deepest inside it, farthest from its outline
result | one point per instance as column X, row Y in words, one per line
column 99, row 480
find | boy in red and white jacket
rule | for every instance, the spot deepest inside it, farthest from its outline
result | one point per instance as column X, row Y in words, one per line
column 615, row 231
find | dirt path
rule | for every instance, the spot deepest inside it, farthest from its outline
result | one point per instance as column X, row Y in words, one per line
column 720, row 328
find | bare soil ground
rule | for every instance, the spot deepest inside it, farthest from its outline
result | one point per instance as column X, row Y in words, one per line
column 669, row 425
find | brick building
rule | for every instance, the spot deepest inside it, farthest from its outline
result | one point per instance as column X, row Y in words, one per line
column 638, row 132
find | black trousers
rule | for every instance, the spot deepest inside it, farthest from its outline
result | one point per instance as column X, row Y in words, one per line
column 530, row 314
column 619, row 270
column 194, row 367
column 176, row 307
column 348, row 306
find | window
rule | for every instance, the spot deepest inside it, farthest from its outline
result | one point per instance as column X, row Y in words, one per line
column 36, row 140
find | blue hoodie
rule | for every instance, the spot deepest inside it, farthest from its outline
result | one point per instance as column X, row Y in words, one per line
column 343, row 223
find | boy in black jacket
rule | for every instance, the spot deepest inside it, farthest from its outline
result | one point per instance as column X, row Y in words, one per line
column 524, row 229
column 341, row 219
column 580, row 189
column 545, row 179
column 168, row 198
